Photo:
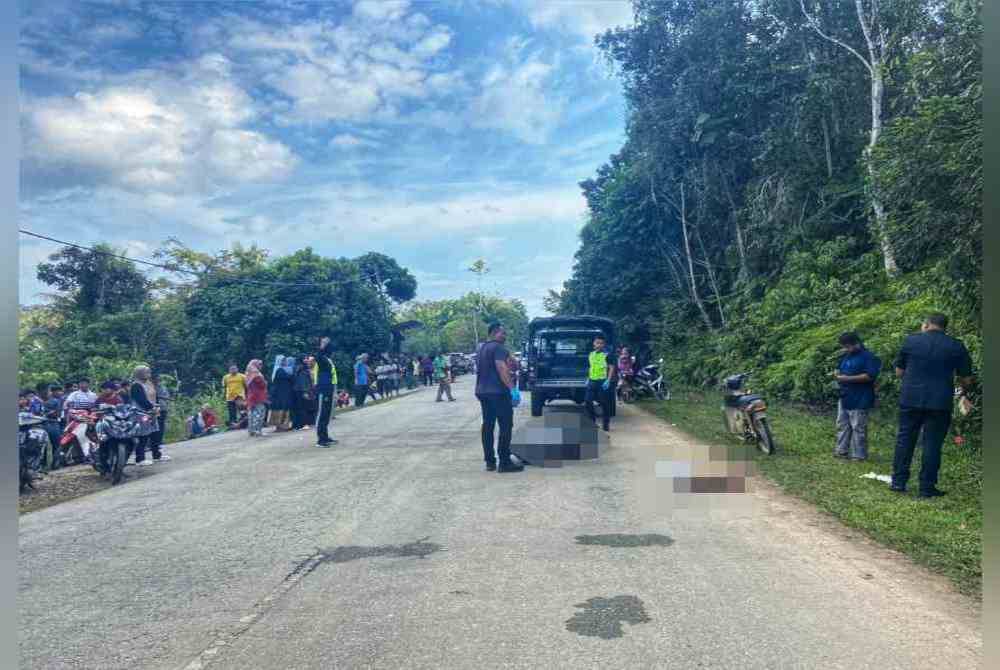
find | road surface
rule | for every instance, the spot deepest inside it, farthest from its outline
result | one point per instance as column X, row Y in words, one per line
column 395, row 549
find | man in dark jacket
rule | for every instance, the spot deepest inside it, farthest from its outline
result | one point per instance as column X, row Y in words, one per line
column 856, row 373
column 928, row 364
column 325, row 388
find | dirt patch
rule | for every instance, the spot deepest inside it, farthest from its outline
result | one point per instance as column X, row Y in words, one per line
column 61, row 485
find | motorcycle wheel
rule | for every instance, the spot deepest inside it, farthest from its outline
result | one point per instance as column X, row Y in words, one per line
column 660, row 395
column 118, row 457
column 765, row 441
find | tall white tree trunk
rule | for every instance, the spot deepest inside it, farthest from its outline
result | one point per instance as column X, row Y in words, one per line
column 690, row 263
column 876, row 40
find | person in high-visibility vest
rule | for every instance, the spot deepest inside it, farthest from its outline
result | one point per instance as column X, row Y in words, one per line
column 600, row 378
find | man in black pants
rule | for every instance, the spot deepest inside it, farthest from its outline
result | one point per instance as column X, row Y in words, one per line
column 325, row 389
column 927, row 363
column 493, row 387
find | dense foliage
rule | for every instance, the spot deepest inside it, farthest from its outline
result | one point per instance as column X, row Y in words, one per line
column 759, row 207
column 458, row 324
column 226, row 308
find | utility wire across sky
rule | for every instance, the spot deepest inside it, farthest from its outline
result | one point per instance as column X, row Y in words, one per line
column 173, row 268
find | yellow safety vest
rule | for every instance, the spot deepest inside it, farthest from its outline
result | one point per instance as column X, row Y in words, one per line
column 598, row 365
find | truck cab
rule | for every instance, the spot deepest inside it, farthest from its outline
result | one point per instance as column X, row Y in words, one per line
column 558, row 349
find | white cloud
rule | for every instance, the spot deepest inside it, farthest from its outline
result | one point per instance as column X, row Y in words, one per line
column 516, row 97
column 163, row 132
column 582, row 18
column 364, row 67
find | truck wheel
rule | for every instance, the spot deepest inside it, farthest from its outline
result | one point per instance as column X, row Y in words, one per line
column 537, row 403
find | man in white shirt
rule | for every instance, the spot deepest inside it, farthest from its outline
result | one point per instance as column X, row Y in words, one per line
column 82, row 399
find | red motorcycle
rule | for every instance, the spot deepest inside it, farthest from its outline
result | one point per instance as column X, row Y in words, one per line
column 79, row 440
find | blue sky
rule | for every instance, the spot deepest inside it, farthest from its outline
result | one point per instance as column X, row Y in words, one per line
column 434, row 132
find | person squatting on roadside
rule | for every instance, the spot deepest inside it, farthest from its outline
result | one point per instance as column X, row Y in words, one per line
column 256, row 398
column 928, row 363
column 442, row 375
column 326, row 386
column 493, row 389
column 600, row 376
column 234, row 385
column 856, row 373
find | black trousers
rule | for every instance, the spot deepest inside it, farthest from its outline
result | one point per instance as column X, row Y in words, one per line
column 231, row 407
column 427, row 378
column 156, row 439
column 496, row 408
column 934, row 424
column 300, row 409
column 595, row 391
column 142, row 443
column 325, row 409
column 360, row 393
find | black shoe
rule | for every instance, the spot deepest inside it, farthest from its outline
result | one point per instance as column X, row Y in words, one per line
column 325, row 443
column 509, row 467
column 843, row 456
column 491, row 467
column 932, row 493
column 897, row 489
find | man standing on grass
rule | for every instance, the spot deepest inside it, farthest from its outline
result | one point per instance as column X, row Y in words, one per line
column 600, row 378
column 493, row 388
column 235, row 386
column 856, row 374
column 928, row 364
column 326, row 384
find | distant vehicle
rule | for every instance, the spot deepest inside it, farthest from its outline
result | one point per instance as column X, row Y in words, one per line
column 558, row 351
column 460, row 364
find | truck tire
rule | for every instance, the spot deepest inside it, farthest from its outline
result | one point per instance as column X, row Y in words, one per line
column 537, row 403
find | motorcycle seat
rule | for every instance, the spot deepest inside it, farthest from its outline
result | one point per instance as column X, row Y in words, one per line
column 747, row 399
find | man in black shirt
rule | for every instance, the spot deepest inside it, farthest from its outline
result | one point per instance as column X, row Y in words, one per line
column 493, row 387
column 927, row 363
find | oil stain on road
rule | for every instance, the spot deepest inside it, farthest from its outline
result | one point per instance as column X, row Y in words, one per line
column 625, row 540
column 603, row 617
column 419, row 549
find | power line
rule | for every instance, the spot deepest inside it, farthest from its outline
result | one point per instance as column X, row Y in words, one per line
column 173, row 268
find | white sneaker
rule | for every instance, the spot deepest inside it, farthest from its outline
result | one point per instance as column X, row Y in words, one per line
column 144, row 463
column 163, row 457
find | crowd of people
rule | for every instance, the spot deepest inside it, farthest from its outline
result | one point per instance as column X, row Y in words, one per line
column 56, row 403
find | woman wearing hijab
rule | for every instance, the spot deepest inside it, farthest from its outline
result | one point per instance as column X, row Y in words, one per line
column 142, row 394
column 301, row 385
column 281, row 392
column 256, row 397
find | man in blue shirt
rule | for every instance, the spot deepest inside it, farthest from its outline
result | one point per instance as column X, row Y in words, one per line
column 928, row 363
column 856, row 374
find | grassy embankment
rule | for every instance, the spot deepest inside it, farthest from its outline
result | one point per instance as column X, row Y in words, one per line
column 943, row 534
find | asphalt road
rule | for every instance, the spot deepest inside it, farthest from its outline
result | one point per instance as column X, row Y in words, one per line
column 395, row 549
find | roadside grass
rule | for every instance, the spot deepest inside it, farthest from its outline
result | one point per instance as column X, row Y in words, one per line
column 943, row 534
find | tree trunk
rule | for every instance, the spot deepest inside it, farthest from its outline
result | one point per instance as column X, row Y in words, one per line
column 711, row 278
column 690, row 263
column 826, row 147
column 878, row 95
column 741, row 248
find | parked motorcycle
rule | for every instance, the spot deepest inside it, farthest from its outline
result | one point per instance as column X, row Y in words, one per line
column 34, row 449
column 117, row 430
column 79, row 439
column 745, row 413
column 646, row 382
